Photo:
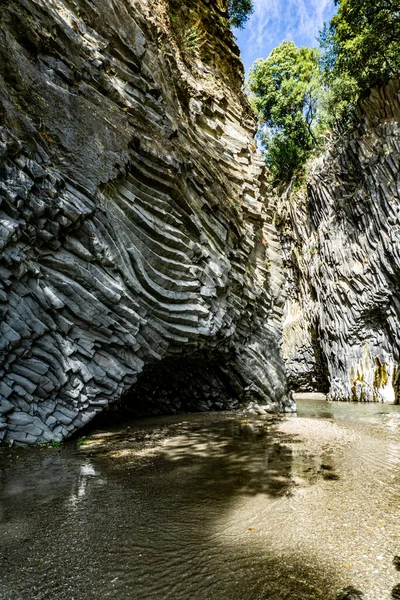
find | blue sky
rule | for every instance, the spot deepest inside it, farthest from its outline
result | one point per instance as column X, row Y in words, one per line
column 274, row 21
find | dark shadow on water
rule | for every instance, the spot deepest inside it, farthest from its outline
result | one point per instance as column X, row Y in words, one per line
column 144, row 513
column 228, row 456
column 350, row 593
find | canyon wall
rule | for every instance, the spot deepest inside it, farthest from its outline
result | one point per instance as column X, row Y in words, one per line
column 139, row 261
column 341, row 243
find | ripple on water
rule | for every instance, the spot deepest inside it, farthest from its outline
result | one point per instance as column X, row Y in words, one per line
column 203, row 507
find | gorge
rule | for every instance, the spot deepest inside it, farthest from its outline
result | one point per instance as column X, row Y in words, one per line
column 145, row 260
column 341, row 242
column 163, row 301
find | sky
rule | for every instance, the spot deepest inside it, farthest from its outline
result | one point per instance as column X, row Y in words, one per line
column 274, row 21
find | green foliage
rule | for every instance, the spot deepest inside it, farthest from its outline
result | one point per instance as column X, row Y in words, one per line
column 189, row 39
column 192, row 39
column 83, row 441
column 286, row 90
column 360, row 50
column 285, row 152
column 239, row 12
column 362, row 42
column 302, row 97
column 338, row 99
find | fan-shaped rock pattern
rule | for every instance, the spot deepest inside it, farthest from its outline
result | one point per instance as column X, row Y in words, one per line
column 136, row 234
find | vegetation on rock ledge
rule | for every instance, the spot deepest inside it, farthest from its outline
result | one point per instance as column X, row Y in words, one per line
column 362, row 42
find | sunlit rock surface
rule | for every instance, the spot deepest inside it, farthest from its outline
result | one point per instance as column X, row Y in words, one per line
column 135, row 225
column 341, row 245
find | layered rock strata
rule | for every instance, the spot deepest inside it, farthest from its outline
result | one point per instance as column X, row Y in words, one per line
column 341, row 243
column 134, row 219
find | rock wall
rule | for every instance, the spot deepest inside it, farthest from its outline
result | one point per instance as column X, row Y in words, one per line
column 305, row 361
column 136, row 235
column 341, row 243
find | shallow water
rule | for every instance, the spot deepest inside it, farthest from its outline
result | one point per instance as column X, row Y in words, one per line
column 208, row 506
column 361, row 412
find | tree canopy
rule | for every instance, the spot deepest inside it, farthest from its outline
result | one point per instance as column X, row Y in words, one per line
column 239, row 12
column 285, row 90
column 299, row 94
column 362, row 42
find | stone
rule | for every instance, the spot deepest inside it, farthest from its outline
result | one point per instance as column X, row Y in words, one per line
column 350, row 593
column 340, row 242
column 134, row 209
column 20, row 418
column 5, row 390
column 6, row 407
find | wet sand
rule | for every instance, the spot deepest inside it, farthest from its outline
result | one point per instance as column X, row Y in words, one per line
column 209, row 506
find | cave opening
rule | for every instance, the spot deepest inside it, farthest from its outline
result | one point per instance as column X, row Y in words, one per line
column 182, row 384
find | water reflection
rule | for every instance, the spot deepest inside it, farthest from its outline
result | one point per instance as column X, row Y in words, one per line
column 202, row 506
column 246, row 457
column 80, row 487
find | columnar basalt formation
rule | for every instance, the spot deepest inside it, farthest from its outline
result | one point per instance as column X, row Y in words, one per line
column 135, row 221
column 305, row 362
column 341, row 242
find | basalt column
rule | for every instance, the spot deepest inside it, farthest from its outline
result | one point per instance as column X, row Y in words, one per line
column 136, row 232
column 341, row 239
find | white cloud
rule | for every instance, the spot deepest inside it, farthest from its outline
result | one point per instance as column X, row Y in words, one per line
column 276, row 20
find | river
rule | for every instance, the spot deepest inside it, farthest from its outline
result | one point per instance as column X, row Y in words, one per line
column 211, row 506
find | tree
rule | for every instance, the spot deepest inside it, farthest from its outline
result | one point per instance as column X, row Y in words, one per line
column 338, row 100
column 362, row 42
column 285, row 90
column 239, row 12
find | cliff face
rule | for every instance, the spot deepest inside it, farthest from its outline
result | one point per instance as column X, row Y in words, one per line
column 341, row 242
column 138, row 255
